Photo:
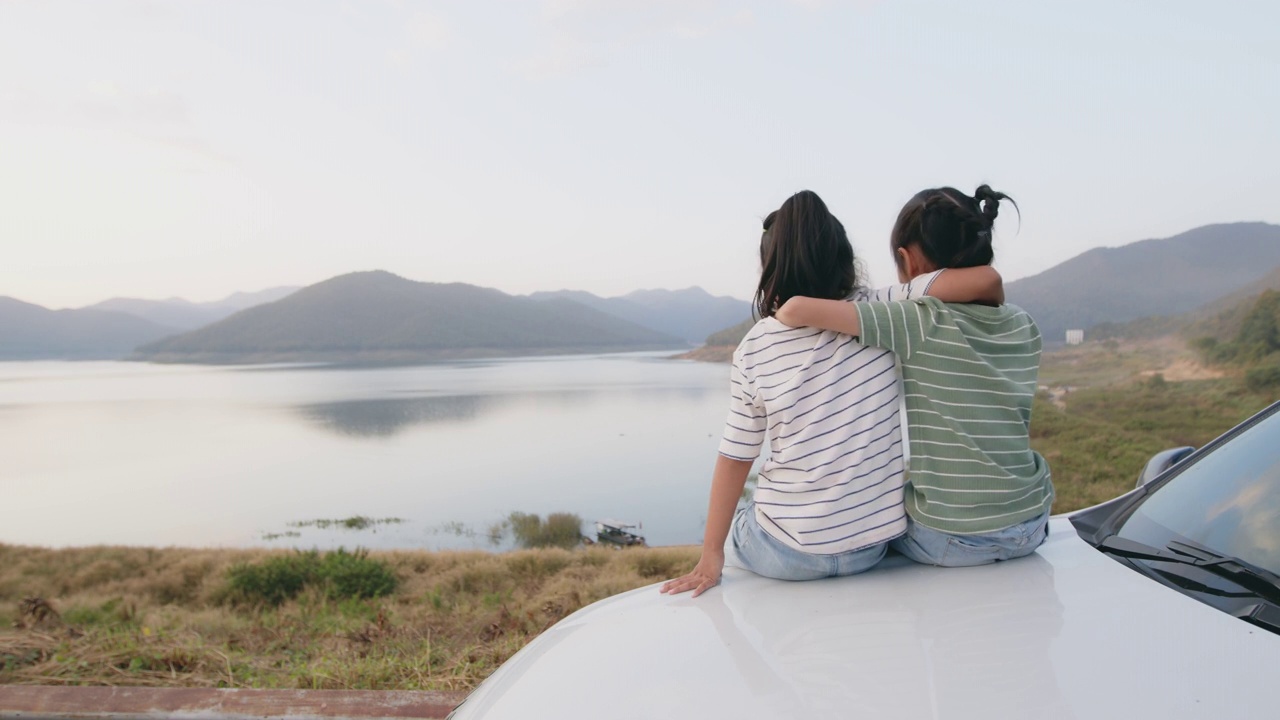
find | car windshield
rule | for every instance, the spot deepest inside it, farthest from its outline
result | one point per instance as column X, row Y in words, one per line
column 1227, row 501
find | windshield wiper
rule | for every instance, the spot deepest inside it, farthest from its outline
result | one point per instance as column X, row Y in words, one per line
column 1232, row 565
column 1261, row 581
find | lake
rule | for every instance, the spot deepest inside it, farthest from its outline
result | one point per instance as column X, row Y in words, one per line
column 142, row 454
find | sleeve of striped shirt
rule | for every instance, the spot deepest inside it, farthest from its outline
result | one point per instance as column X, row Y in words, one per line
column 901, row 326
column 917, row 287
column 744, row 429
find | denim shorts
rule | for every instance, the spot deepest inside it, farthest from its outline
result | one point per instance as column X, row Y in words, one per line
column 933, row 547
column 762, row 554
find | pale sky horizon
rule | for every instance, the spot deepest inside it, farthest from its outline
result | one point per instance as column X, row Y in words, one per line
column 196, row 149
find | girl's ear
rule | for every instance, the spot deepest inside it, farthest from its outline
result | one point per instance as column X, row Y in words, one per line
column 912, row 263
column 906, row 265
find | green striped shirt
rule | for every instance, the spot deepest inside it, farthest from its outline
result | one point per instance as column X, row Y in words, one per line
column 969, row 374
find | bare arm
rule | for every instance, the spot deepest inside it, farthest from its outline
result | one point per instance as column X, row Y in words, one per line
column 836, row 315
column 726, row 487
column 961, row 285
column 982, row 285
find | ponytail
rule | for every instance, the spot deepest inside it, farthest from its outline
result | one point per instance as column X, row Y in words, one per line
column 804, row 250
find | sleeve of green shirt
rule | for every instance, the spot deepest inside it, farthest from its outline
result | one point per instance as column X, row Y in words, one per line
column 902, row 326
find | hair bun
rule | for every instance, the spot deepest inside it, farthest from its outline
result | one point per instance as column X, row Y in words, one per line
column 988, row 201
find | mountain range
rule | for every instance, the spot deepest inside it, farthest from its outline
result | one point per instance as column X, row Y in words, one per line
column 1170, row 276
column 380, row 317
column 377, row 316
column 181, row 314
column 673, row 318
column 690, row 314
column 31, row 332
column 1221, row 319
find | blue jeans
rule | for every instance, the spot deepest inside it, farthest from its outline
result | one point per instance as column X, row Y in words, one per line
column 762, row 554
column 933, row 547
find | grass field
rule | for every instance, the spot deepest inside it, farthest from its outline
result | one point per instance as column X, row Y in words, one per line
column 445, row 620
column 1127, row 401
column 167, row 617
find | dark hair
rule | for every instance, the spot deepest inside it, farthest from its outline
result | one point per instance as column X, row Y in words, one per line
column 803, row 251
column 951, row 229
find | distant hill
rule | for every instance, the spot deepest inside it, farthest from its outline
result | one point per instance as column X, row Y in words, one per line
column 186, row 315
column 720, row 345
column 1220, row 319
column 1148, row 278
column 31, row 332
column 690, row 314
column 731, row 336
column 1230, row 306
column 380, row 317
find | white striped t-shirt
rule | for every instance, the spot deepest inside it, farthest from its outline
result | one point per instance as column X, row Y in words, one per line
column 829, row 409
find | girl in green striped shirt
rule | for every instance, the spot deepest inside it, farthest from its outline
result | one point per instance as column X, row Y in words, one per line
column 976, row 492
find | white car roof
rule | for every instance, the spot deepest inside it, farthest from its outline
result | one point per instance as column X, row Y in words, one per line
column 1064, row 633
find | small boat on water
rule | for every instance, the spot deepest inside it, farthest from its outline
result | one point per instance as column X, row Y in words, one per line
column 619, row 533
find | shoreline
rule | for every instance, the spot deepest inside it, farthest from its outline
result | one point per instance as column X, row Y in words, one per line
column 708, row 353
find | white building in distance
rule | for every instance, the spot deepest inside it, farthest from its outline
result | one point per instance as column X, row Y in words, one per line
column 1075, row 337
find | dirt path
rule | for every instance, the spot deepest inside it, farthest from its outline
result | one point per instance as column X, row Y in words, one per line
column 162, row 703
column 1183, row 369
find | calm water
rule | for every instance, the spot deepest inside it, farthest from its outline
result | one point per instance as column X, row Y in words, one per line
column 130, row 453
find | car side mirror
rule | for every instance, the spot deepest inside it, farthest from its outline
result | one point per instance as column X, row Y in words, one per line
column 1162, row 461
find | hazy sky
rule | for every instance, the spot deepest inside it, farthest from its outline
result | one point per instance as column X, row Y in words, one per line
column 197, row 148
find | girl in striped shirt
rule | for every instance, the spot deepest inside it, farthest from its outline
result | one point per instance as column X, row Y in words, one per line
column 829, row 495
column 976, row 491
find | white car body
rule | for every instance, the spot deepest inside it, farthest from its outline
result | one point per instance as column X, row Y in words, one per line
column 1067, row 632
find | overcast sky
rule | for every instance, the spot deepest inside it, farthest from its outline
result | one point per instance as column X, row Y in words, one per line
column 198, row 148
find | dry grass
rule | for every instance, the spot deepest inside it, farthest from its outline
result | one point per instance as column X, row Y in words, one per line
column 148, row 616
column 1112, row 362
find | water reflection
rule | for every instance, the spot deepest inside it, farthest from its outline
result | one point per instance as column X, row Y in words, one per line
column 596, row 436
column 386, row 417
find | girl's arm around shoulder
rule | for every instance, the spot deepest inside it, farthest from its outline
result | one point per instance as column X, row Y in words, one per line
column 981, row 285
column 960, row 285
column 837, row 315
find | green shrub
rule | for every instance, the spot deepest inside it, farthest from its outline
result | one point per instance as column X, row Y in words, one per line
column 1257, row 337
column 80, row 615
column 111, row 612
column 1263, row 377
column 273, row 580
column 559, row 530
column 1206, row 345
column 354, row 575
column 340, row 574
